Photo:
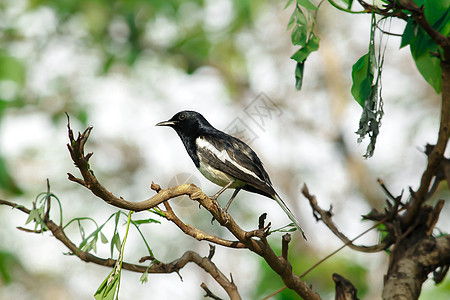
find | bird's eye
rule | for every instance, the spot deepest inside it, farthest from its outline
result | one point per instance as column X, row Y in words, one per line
column 182, row 117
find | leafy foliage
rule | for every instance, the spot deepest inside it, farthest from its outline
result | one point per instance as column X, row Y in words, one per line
column 366, row 72
column 302, row 24
column 423, row 49
column 109, row 288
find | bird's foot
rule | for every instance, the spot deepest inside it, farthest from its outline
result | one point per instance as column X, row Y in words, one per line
column 214, row 197
column 224, row 214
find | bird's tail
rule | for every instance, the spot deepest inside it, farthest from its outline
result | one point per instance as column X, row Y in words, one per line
column 289, row 214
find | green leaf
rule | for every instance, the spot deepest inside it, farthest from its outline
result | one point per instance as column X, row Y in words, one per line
column 115, row 242
column 299, row 35
column 146, row 221
column 307, row 4
column 291, row 20
column 428, row 65
column 408, row 34
column 349, row 3
column 300, row 17
column 82, row 232
column 103, row 238
column 362, row 76
column 430, row 68
column 434, row 10
column 93, row 234
column 299, row 75
column 311, row 46
column 288, row 3
column 32, row 216
column 144, row 277
column 300, row 57
column 107, row 291
column 421, row 44
column 158, row 212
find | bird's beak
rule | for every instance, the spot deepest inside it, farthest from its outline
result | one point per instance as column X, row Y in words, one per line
column 166, row 123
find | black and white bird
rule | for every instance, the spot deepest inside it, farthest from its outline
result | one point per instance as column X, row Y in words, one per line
column 224, row 159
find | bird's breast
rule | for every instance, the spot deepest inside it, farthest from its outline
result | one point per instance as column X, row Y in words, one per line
column 216, row 176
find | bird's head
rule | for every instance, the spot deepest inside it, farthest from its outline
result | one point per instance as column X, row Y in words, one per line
column 187, row 122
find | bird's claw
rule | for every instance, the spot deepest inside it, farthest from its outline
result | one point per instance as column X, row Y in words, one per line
column 225, row 215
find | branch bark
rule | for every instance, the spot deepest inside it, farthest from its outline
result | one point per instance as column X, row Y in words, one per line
column 158, row 267
column 411, row 269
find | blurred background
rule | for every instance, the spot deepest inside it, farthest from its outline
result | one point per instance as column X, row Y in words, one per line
column 123, row 66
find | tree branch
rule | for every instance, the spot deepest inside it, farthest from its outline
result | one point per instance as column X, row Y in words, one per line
column 255, row 241
column 344, row 288
column 197, row 233
column 412, row 267
column 436, row 155
column 175, row 266
column 325, row 217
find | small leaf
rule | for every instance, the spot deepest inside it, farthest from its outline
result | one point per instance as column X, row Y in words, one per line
column 408, row 33
column 82, row 233
column 299, row 35
column 434, row 10
column 311, row 46
column 103, row 238
column 288, row 3
column 32, row 216
column 158, row 212
column 299, row 75
column 115, row 241
column 300, row 17
column 307, row 4
column 362, row 76
column 93, row 234
column 144, row 277
column 146, row 221
column 430, row 68
column 291, row 20
column 107, row 291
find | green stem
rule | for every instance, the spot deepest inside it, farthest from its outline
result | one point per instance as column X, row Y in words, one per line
column 81, row 219
column 119, row 267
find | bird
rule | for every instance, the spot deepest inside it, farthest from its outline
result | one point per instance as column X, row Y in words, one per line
column 224, row 160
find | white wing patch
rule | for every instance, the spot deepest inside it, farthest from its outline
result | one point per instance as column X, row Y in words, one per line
column 223, row 156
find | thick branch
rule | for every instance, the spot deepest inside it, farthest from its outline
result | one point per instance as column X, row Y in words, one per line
column 411, row 269
column 436, row 156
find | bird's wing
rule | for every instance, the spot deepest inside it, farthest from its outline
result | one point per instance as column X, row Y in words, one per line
column 236, row 159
